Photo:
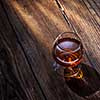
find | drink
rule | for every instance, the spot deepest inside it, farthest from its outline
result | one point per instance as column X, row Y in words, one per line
column 81, row 78
column 68, row 52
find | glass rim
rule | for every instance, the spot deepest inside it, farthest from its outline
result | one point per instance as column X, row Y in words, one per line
column 78, row 40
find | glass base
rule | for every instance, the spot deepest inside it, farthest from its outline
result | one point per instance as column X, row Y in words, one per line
column 68, row 72
column 73, row 73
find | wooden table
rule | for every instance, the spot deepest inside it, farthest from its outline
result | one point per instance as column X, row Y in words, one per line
column 27, row 31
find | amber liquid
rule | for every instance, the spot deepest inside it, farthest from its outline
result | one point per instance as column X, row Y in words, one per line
column 68, row 52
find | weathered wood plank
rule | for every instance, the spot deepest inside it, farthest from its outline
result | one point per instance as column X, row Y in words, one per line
column 32, row 27
column 17, row 61
column 35, row 46
column 86, row 23
column 93, row 7
column 3, row 86
column 87, row 27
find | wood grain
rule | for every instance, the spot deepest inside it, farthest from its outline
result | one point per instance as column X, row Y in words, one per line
column 27, row 31
column 94, row 8
column 87, row 28
column 31, row 53
column 17, row 61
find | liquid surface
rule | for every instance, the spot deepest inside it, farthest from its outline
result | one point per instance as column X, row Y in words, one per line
column 67, row 52
column 68, row 45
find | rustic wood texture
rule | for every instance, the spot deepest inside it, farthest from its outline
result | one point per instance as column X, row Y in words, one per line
column 88, row 28
column 27, row 31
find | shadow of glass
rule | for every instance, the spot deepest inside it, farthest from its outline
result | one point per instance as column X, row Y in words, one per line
column 88, row 85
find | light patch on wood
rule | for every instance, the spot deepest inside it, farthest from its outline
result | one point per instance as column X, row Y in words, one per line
column 31, row 23
column 57, row 21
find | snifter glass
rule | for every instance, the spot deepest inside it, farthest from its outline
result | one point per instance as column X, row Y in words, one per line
column 68, row 55
column 67, row 52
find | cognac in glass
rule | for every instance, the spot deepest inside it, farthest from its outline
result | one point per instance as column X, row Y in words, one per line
column 68, row 54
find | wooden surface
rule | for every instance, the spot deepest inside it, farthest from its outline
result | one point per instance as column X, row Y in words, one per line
column 27, row 31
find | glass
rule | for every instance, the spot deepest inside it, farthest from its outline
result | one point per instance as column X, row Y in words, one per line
column 67, row 52
column 68, row 55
